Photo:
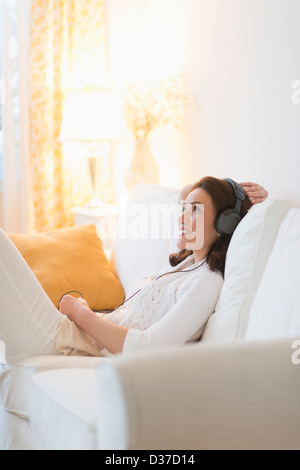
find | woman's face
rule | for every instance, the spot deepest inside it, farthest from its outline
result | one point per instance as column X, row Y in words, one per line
column 196, row 223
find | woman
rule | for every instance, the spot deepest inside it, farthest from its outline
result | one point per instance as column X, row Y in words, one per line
column 170, row 309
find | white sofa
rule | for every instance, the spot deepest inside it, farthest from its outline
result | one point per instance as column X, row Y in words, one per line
column 238, row 388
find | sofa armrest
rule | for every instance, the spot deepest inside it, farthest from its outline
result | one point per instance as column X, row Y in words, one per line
column 207, row 396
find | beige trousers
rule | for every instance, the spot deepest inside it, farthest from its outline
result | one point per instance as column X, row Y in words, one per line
column 30, row 325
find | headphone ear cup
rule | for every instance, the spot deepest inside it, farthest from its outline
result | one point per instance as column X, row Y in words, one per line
column 226, row 222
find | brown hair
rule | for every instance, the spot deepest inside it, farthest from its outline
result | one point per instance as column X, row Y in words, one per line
column 223, row 198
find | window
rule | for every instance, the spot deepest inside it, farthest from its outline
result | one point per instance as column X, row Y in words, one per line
column 1, row 105
column 14, row 36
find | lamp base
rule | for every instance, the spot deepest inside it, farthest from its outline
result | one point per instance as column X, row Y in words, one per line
column 100, row 167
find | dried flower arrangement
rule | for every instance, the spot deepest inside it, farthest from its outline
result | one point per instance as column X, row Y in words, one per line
column 148, row 108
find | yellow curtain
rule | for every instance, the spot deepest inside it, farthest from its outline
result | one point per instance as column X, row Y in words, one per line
column 67, row 52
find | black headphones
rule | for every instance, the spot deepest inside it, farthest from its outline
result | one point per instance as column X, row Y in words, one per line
column 227, row 221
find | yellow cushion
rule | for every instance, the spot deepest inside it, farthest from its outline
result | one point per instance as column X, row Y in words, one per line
column 72, row 259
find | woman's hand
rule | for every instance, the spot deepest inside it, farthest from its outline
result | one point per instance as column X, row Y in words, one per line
column 255, row 192
column 110, row 335
column 73, row 308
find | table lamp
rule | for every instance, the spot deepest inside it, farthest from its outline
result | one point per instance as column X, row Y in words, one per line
column 94, row 118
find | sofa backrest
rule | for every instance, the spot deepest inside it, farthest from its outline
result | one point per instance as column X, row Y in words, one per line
column 247, row 257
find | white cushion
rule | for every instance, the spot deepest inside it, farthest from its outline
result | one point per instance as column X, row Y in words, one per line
column 15, row 380
column 247, row 256
column 63, row 408
column 145, row 233
column 275, row 312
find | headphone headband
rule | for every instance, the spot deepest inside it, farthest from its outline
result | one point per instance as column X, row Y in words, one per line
column 237, row 189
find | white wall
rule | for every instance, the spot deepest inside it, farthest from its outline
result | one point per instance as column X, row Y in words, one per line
column 241, row 58
column 244, row 57
column 148, row 40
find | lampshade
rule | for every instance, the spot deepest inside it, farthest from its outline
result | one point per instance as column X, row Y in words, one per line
column 92, row 116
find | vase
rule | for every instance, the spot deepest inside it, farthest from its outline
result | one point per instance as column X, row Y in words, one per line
column 143, row 167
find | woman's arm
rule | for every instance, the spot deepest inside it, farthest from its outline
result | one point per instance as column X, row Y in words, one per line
column 196, row 303
column 110, row 335
column 254, row 191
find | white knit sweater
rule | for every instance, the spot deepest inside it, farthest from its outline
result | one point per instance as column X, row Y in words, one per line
column 171, row 310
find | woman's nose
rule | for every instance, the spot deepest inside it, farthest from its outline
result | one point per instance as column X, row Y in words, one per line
column 180, row 218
